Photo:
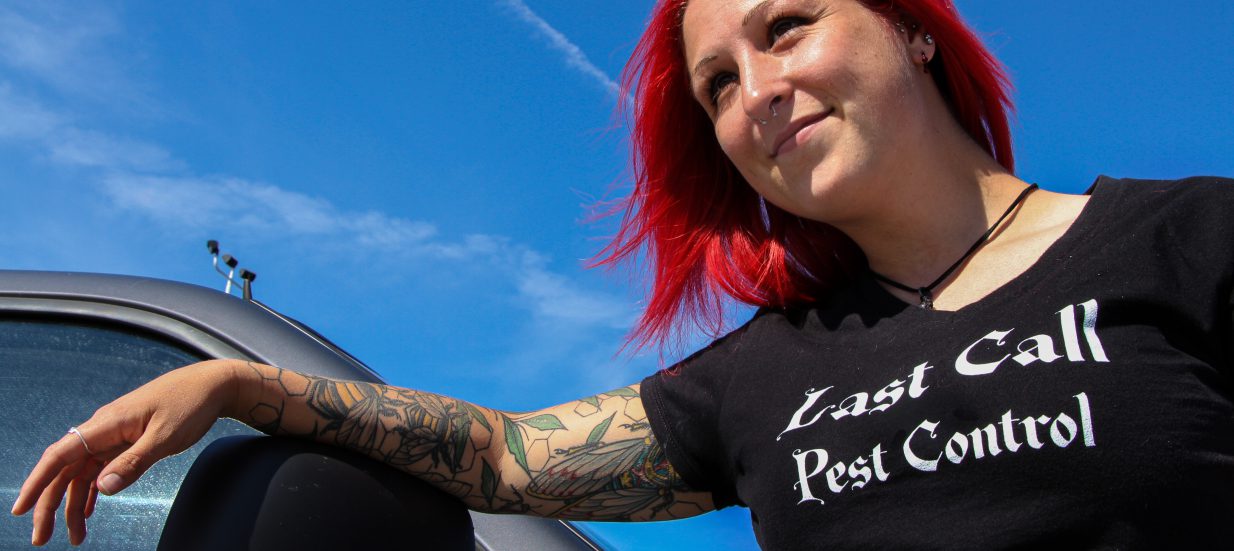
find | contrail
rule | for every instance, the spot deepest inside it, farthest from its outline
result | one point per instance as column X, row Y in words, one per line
column 574, row 56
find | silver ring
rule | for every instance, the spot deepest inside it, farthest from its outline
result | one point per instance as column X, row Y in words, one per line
column 761, row 122
column 73, row 430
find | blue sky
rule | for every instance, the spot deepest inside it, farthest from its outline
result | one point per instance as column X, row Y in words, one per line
column 413, row 179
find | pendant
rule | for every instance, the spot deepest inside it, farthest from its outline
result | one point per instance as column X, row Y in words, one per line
column 927, row 299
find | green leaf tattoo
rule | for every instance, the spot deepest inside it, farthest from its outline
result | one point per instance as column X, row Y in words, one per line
column 544, row 422
column 475, row 414
column 514, row 443
column 592, row 400
column 461, row 429
column 622, row 393
column 598, row 432
column 488, row 482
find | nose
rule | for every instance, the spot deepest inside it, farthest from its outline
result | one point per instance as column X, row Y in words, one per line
column 764, row 89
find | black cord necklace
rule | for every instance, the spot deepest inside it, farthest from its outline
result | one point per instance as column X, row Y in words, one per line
column 927, row 292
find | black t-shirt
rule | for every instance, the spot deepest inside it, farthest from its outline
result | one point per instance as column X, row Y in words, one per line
column 1086, row 403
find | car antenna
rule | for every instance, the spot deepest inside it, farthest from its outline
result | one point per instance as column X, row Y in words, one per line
column 246, row 276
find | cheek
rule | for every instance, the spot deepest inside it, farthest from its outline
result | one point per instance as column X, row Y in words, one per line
column 738, row 144
column 745, row 152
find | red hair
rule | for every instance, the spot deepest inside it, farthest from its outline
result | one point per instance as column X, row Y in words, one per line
column 705, row 231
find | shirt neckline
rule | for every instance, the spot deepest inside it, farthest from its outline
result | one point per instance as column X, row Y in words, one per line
column 1091, row 215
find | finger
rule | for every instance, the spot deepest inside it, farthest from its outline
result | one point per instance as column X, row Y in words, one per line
column 74, row 509
column 56, row 457
column 49, row 501
column 79, row 499
column 94, row 496
column 130, row 464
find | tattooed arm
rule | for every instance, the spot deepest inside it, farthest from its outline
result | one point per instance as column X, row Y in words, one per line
column 592, row 459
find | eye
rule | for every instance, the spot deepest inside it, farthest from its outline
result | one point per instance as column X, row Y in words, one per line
column 717, row 85
column 781, row 26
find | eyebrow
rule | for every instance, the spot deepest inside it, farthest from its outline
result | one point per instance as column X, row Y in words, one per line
column 754, row 11
column 745, row 20
column 698, row 67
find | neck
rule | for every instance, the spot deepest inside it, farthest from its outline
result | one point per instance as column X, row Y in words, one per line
column 933, row 218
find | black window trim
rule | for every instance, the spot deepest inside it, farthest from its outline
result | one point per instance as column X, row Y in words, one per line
column 154, row 322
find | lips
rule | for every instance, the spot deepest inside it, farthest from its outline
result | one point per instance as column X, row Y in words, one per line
column 789, row 138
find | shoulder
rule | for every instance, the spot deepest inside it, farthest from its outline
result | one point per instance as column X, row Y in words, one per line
column 717, row 354
column 1197, row 201
column 1189, row 190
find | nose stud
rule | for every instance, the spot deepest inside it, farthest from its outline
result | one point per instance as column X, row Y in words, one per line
column 772, row 107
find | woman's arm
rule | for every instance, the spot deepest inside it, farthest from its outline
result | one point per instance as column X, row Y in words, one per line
column 592, row 459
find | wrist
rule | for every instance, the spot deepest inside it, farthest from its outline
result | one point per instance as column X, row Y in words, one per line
column 239, row 380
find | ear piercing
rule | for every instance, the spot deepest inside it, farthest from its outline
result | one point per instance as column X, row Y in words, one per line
column 929, row 39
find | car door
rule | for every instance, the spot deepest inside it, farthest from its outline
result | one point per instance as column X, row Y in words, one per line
column 56, row 368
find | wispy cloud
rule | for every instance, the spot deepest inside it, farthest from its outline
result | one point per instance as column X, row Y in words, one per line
column 96, row 149
column 56, row 53
column 22, row 118
column 70, row 47
column 574, row 56
column 56, row 136
column 210, row 203
column 41, row 51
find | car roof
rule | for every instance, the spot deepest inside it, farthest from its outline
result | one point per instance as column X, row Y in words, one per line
column 250, row 328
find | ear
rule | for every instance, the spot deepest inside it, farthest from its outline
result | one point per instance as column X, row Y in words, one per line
column 921, row 48
column 918, row 42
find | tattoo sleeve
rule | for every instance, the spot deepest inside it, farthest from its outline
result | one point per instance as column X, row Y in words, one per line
column 592, row 459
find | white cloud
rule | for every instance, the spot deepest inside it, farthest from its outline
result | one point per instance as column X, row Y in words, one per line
column 263, row 209
column 95, row 149
column 52, row 53
column 212, row 203
column 574, row 56
column 70, row 47
column 29, row 122
column 552, row 296
column 22, row 118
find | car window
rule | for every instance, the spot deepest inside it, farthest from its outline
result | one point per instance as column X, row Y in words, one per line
column 53, row 374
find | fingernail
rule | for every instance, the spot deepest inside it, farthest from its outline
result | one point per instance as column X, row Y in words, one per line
column 110, row 484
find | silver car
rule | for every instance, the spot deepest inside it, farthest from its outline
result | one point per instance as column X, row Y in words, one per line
column 71, row 342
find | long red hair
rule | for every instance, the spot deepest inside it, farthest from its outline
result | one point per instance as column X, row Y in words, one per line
column 705, row 232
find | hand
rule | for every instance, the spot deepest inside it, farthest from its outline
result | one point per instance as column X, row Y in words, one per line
column 163, row 417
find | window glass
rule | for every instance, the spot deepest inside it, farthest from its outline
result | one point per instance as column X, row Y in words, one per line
column 54, row 374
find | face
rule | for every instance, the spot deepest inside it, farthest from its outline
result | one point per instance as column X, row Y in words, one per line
column 834, row 82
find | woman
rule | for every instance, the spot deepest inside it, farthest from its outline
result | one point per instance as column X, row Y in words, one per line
column 945, row 357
